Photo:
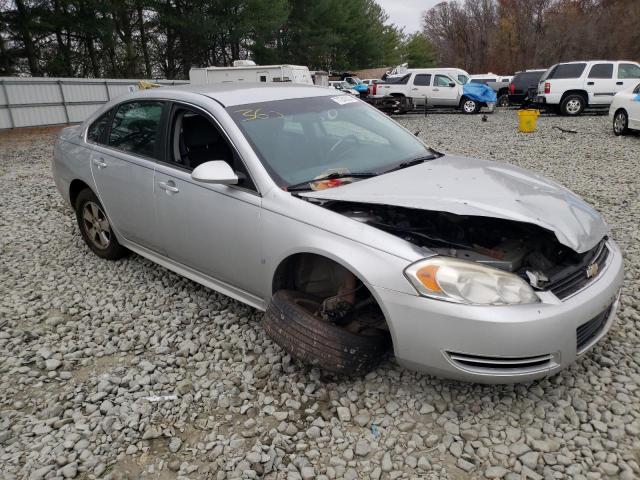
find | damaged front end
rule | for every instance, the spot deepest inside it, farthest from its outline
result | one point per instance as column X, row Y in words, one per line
column 529, row 251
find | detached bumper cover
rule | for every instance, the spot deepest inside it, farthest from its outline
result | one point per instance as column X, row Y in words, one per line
column 487, row 344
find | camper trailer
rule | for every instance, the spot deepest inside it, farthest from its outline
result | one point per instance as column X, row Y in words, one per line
column 248, row 71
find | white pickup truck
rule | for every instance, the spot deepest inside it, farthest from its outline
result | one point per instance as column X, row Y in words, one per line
column 436, row 87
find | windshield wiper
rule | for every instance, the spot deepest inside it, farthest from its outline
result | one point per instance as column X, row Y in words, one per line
column 411, row 163
column 306, row 185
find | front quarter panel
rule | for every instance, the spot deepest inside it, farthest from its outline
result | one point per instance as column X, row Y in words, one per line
column 292, row 225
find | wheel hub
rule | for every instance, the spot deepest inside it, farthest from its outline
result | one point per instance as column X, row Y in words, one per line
column 96, row 225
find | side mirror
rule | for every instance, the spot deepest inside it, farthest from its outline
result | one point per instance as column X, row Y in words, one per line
column 216, row 172
column 451, row 84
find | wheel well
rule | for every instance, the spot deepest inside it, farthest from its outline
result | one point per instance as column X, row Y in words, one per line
column 621, row 109
column 324, row 278
column 503, row 91
column 396, row 95
column 582, row 93
column 74, row 190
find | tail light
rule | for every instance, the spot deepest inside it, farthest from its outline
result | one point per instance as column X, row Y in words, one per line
column 374, row 88
column 547, row 87
column 512, row 88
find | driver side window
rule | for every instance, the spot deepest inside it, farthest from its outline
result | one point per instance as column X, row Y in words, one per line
column 442, row 81
column 195, row 139
column 135, row 128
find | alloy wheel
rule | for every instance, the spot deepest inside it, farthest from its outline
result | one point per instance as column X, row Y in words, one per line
column 574, row 106
column 620, row 123
column 469, row 106
column 96, row 225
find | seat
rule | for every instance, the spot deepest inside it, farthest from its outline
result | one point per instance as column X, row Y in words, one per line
column 203, row 142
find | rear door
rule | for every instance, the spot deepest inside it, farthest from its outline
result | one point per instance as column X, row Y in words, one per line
column 421, row 88
column 600, row 84
column 445, row 91
column 122, row 166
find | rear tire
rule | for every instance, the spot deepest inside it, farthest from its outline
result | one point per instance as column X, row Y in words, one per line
column 469, row 106
column 573, row 105
column 620, row 123
column 503, row 100
column 321, row 343
column 95, row 227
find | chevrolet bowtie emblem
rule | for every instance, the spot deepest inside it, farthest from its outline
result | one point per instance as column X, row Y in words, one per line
column 592, row 270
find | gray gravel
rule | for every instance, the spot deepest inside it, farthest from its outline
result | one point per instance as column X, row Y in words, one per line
column 126, row 370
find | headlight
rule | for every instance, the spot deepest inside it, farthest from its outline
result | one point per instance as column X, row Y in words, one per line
column 459, row 281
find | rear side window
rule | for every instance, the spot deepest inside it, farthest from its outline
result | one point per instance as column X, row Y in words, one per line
column 135, row 128
column 96, row 131
column 399, row 81
column 422, row 79
column 529, row 78
column 601, row 70
column 628, row 70
column 567, row 70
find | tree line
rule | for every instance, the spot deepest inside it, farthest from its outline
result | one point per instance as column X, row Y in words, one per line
column 505, row 36
column 165, row 38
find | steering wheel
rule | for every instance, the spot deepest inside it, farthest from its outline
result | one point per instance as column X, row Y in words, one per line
column 341, row 141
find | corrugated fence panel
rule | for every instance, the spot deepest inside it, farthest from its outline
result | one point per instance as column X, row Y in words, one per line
column 117, row 89
column 39, row 115
column 78, row 113
column 28, row 102
column 89, row 92
column 30, row 93
column 5, row 120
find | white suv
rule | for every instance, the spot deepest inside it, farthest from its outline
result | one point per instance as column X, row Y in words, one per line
column 573, row 86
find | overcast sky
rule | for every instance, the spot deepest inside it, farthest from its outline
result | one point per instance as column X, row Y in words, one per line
column 407, row 13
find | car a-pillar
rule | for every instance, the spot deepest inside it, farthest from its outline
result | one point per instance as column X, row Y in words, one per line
column 324, row 315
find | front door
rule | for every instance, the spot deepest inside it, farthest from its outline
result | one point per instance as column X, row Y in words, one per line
column 444, row 91
column 213, row 229
column 601, row 86
column 122, row 164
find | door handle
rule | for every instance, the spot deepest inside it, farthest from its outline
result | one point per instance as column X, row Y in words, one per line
column 590, row 83
column 414, row 89
column 436, row 89
column 100, row 163
column 168, row 187
column 619, row 83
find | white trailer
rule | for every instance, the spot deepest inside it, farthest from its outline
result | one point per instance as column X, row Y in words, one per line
column 241, row 72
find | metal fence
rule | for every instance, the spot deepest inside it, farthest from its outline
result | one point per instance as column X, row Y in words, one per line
column 29, row 102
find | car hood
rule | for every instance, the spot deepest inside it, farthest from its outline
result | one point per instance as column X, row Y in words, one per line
column 465, row 186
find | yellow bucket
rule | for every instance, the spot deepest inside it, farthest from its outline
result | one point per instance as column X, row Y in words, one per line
column 527, row 120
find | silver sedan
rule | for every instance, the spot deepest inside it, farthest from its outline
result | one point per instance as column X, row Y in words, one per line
column 352, row 235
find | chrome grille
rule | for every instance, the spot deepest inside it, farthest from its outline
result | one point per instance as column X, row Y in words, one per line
column 497, row 365
column 578, row 278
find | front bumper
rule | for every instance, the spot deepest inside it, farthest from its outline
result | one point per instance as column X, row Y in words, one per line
column 501, row 344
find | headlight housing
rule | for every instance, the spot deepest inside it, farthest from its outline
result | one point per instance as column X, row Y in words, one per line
column 459, row 281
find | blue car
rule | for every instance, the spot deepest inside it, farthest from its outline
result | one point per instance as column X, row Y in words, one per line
column 357, row 84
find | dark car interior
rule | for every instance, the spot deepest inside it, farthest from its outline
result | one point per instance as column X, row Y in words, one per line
column 196, row 140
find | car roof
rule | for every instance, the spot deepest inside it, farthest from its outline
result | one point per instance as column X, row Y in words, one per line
column 241, row 93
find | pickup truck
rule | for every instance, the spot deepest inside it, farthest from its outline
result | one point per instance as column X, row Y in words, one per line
column 428, row 85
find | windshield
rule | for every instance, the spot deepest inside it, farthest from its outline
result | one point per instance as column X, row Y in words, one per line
column 301, row 139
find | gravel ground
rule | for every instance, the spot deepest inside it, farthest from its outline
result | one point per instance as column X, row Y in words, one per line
column 126, row 370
